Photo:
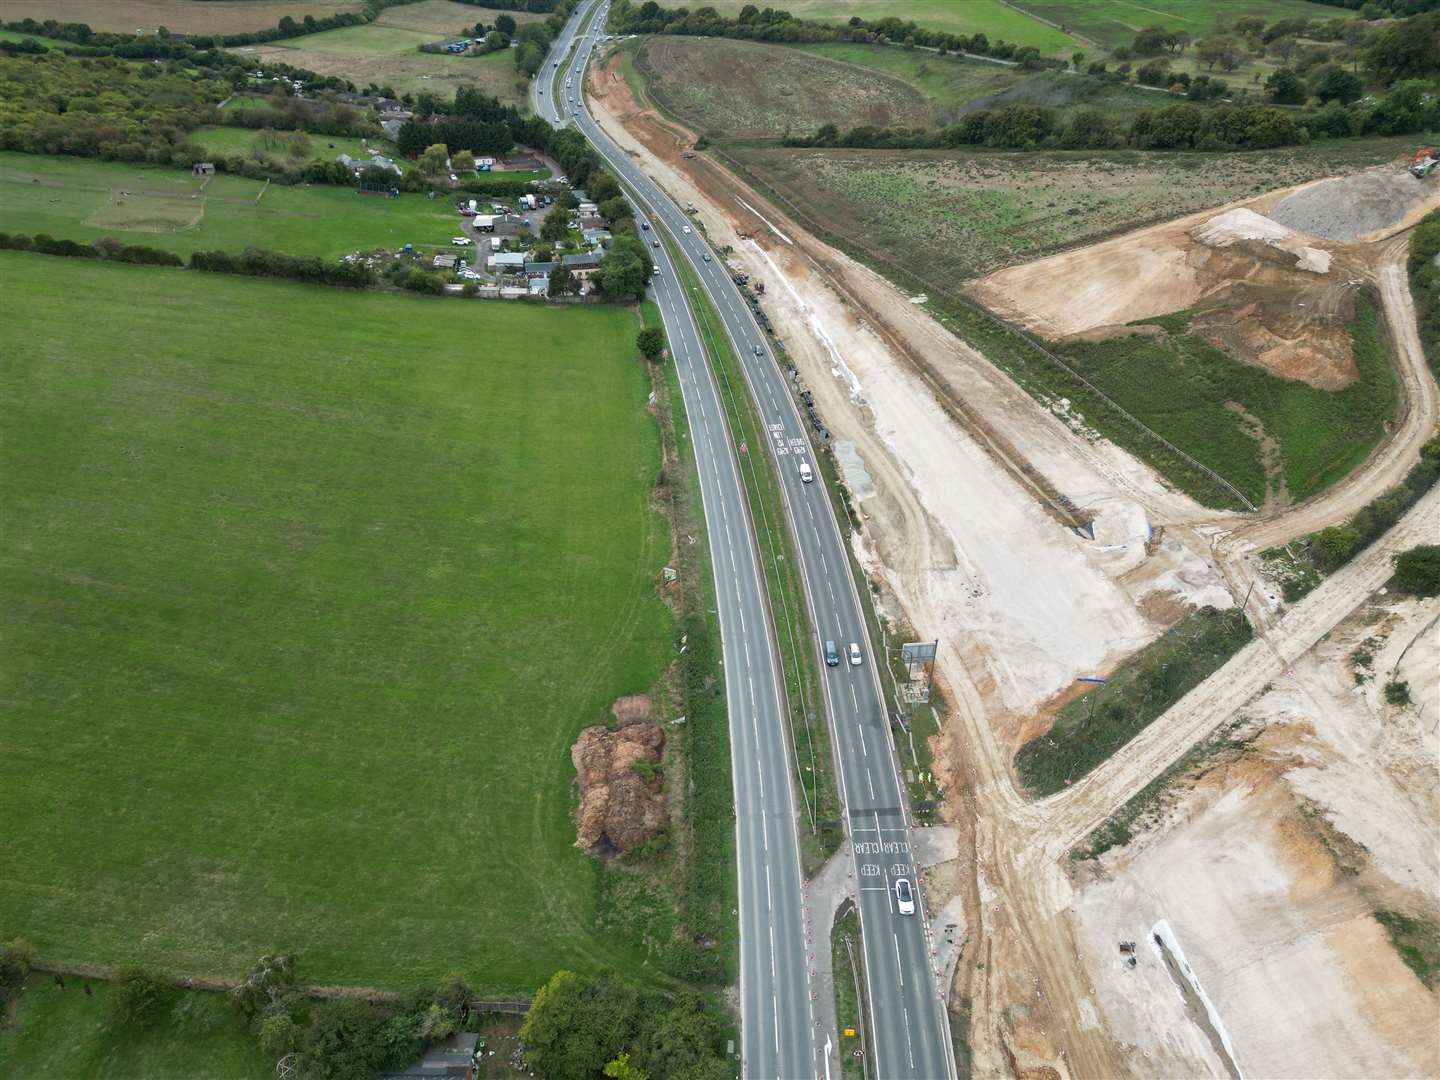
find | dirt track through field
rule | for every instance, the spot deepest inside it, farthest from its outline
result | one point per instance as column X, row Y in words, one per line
column 1031, row 1001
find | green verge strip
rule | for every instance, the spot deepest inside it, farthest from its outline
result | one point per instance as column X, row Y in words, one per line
column 809, row 731
column 845, row 954
column 707, row 885
column 1091, row 728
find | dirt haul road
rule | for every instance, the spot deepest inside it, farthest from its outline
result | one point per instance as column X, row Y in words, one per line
column 982, row 572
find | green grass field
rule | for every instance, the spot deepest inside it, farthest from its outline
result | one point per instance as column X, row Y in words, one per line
column 308, row 593
column 247, row 143
column 63, row 1033
column 990, row 17
column 388, row 55
column 80, row 199
column 1115, row 22
column 181, row 16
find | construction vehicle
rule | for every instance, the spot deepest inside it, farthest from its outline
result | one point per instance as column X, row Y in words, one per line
column 1425, row 161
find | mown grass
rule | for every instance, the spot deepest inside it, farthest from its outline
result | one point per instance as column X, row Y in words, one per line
column 181, row 16
column 389, row 55
column 1180, row 386
column 1417, row 940
column 810, row 739
column 248, row 143
column 995, row 20
column 82, row 200
column 1090, row 729
column 64, row 1033
column 303, row 616
column 1114, row 22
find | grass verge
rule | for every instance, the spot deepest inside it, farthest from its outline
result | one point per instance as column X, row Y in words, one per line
column 846, row 956
column 1091, row 728
column 805, row 704
column 703, row 942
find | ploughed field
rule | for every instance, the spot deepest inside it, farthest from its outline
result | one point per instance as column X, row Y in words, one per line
column 308, row 592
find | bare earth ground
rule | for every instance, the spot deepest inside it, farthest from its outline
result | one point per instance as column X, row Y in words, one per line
column 182, row 16
column 1021, row 606
column 1268, row 871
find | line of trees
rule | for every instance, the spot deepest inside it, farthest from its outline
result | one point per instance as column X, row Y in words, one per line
column 104, row 248
column 1410, row 107
column 252, row 262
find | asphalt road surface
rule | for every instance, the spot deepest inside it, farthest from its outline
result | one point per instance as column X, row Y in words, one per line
column 778, row 1032
column 909, row 1035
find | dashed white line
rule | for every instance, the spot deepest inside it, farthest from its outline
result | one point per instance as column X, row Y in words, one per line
column 898, row 964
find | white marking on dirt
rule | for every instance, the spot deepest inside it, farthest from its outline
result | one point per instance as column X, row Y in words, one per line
column 1173, row 944
column 762, row 217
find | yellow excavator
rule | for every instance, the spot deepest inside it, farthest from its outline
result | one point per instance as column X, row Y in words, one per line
column 1425, row 161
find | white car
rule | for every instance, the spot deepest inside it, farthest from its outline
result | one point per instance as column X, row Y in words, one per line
column 657, row 268
column 904, row 896
column 460, row 241
column 854, row 654
column 687, row 230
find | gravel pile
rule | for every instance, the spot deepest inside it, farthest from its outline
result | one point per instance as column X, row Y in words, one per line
column 1350, row 206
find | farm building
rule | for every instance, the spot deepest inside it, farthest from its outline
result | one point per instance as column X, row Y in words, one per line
column 445, row 261
column 539, row 269
column 508, row 261
column 203, row 168
column 597, row 237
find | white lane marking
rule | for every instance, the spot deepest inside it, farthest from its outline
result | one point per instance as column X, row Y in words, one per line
column 776, row 1002
column 909, row 1046
column 853, row 698
column 871, row 781
column 769, row 899
column 899, row 966
column 772, row 953
column 861, row 728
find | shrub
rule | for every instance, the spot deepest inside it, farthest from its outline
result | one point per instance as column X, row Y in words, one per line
column 137, row 1000
column 343, row 1041
column 1397, row 693
column 1417, row 571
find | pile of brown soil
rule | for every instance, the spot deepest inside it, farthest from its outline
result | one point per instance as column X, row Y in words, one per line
column 622, row 801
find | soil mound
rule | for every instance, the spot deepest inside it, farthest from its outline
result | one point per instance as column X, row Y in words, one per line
column 622, row 803
column 1243, row 226
column 1350, row 207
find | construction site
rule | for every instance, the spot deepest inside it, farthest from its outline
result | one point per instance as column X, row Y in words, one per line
column 1284, row 811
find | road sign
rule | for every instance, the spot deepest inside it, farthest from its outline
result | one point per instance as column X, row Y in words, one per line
column 849, row 1033
column 918, row 652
